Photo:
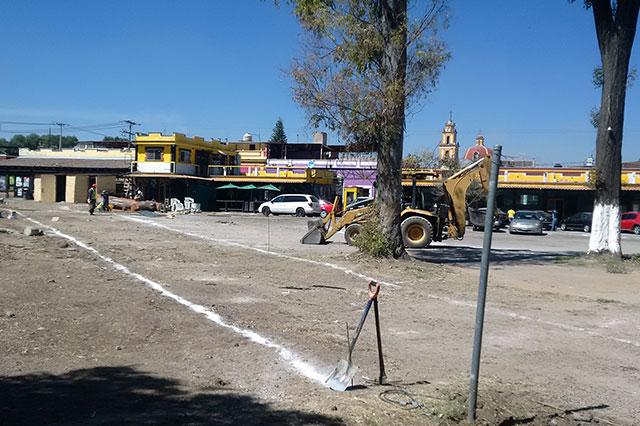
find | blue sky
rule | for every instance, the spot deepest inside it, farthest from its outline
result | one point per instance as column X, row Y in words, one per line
column 520, row 72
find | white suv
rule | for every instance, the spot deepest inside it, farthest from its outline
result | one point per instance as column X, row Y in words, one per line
column 297, row 204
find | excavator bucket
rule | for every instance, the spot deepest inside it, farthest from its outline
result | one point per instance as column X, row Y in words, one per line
column 315, row 234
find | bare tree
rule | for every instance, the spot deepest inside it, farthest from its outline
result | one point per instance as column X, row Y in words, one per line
column 365, row 63
column 615, row 23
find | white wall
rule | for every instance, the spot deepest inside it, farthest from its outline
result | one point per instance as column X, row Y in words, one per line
column 154, row 167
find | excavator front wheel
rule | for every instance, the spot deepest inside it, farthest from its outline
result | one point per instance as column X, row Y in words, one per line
column 352, row 232
column 417, row 232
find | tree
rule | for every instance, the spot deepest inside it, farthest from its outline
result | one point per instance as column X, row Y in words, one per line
column 421, row 160
column 615, row 24
column 278, row 136
column 34, row 141
column 114, row 139
column 365, row 63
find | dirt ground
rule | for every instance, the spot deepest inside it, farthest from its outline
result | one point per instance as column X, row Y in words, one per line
column 215, row 319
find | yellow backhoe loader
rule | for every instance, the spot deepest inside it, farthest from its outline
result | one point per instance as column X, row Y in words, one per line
column 419, row 227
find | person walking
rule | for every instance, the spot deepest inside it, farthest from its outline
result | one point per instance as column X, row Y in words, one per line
column 511, row 214
column 91, row 200
column 554, row 220
column 105, row 201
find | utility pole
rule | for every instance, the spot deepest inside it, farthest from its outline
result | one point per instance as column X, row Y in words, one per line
column 60, row 138
column 129, row 132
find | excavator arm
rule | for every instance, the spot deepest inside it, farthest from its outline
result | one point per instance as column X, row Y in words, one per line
column 455, row 192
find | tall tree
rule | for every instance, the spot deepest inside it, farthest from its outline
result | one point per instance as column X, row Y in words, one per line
column 615, row 23
column 278, row 135
column 365, row 63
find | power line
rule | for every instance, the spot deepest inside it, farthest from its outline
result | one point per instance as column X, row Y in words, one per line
column 88, row 131
column 26, row 123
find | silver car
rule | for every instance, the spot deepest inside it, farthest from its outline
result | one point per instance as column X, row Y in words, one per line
column 526, row 222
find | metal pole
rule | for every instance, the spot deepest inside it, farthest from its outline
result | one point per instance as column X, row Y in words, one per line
column 482, row 288
column 383, row 375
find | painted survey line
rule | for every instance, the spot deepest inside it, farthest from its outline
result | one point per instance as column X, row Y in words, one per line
column 300, row 366
column 262, row 251
column 444, row 299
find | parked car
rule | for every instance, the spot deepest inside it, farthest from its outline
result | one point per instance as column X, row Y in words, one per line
column 325, row 208
column 630, row 222
column 526, row 222
column 579, row 222
column 297, row 204
column 476, row 218
column 545, row 218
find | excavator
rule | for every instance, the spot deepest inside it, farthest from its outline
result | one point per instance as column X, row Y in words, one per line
column 419, row 227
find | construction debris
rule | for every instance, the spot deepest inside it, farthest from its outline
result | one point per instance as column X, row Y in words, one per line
column 32, row 232
column 133, row 205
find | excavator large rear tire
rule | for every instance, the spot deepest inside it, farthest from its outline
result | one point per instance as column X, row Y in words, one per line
column 351, row 233
column 417, row 232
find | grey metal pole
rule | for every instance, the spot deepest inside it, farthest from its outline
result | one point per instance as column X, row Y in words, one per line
column 482, row 288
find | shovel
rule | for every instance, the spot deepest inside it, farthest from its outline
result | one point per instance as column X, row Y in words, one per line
column 341, row 376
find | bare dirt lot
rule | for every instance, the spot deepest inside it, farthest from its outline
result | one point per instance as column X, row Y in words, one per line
column 227, row 319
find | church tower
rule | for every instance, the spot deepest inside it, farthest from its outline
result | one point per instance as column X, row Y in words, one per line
column 448, row 148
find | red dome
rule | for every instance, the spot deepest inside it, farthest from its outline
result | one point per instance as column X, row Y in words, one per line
column 477, row 152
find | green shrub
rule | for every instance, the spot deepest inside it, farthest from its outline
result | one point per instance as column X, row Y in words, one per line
column 372, row 241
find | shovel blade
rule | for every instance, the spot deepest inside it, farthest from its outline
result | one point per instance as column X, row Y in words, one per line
column 341, row 376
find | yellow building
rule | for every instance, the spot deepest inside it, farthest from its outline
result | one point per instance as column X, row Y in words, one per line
column 178, row 154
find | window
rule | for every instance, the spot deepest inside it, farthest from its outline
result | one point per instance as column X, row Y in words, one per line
column 296, row 199
column 628, row 216
column 529, row 199
column 314, row 199
column 476, row 156
column 184, row 156
column 279, row 199
column 153, row 154
column 448, row 140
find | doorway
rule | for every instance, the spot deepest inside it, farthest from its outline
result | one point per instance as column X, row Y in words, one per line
column 61, row 188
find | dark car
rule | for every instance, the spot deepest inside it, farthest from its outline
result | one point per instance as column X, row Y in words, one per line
column 476, row 218
column 545, row 218
column 577, row 222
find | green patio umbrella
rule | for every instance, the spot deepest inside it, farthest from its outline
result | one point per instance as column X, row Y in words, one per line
column 250, row 186
column 228, row 186
column 269, row 188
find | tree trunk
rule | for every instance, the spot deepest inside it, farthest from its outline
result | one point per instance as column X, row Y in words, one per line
column 393, row 15
column 389, row 192
column 615, row 39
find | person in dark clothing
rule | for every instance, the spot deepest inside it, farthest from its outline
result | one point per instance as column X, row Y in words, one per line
column 105, row 201
column 91, row 200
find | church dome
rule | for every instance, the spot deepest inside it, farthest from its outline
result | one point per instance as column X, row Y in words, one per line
column 477, row 151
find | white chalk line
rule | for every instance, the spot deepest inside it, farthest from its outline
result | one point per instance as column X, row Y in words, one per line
column 287, row 355
column 262, row 251
column 444, row 299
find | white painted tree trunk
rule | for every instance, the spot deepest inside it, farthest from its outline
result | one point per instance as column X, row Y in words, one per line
column 605, row 229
